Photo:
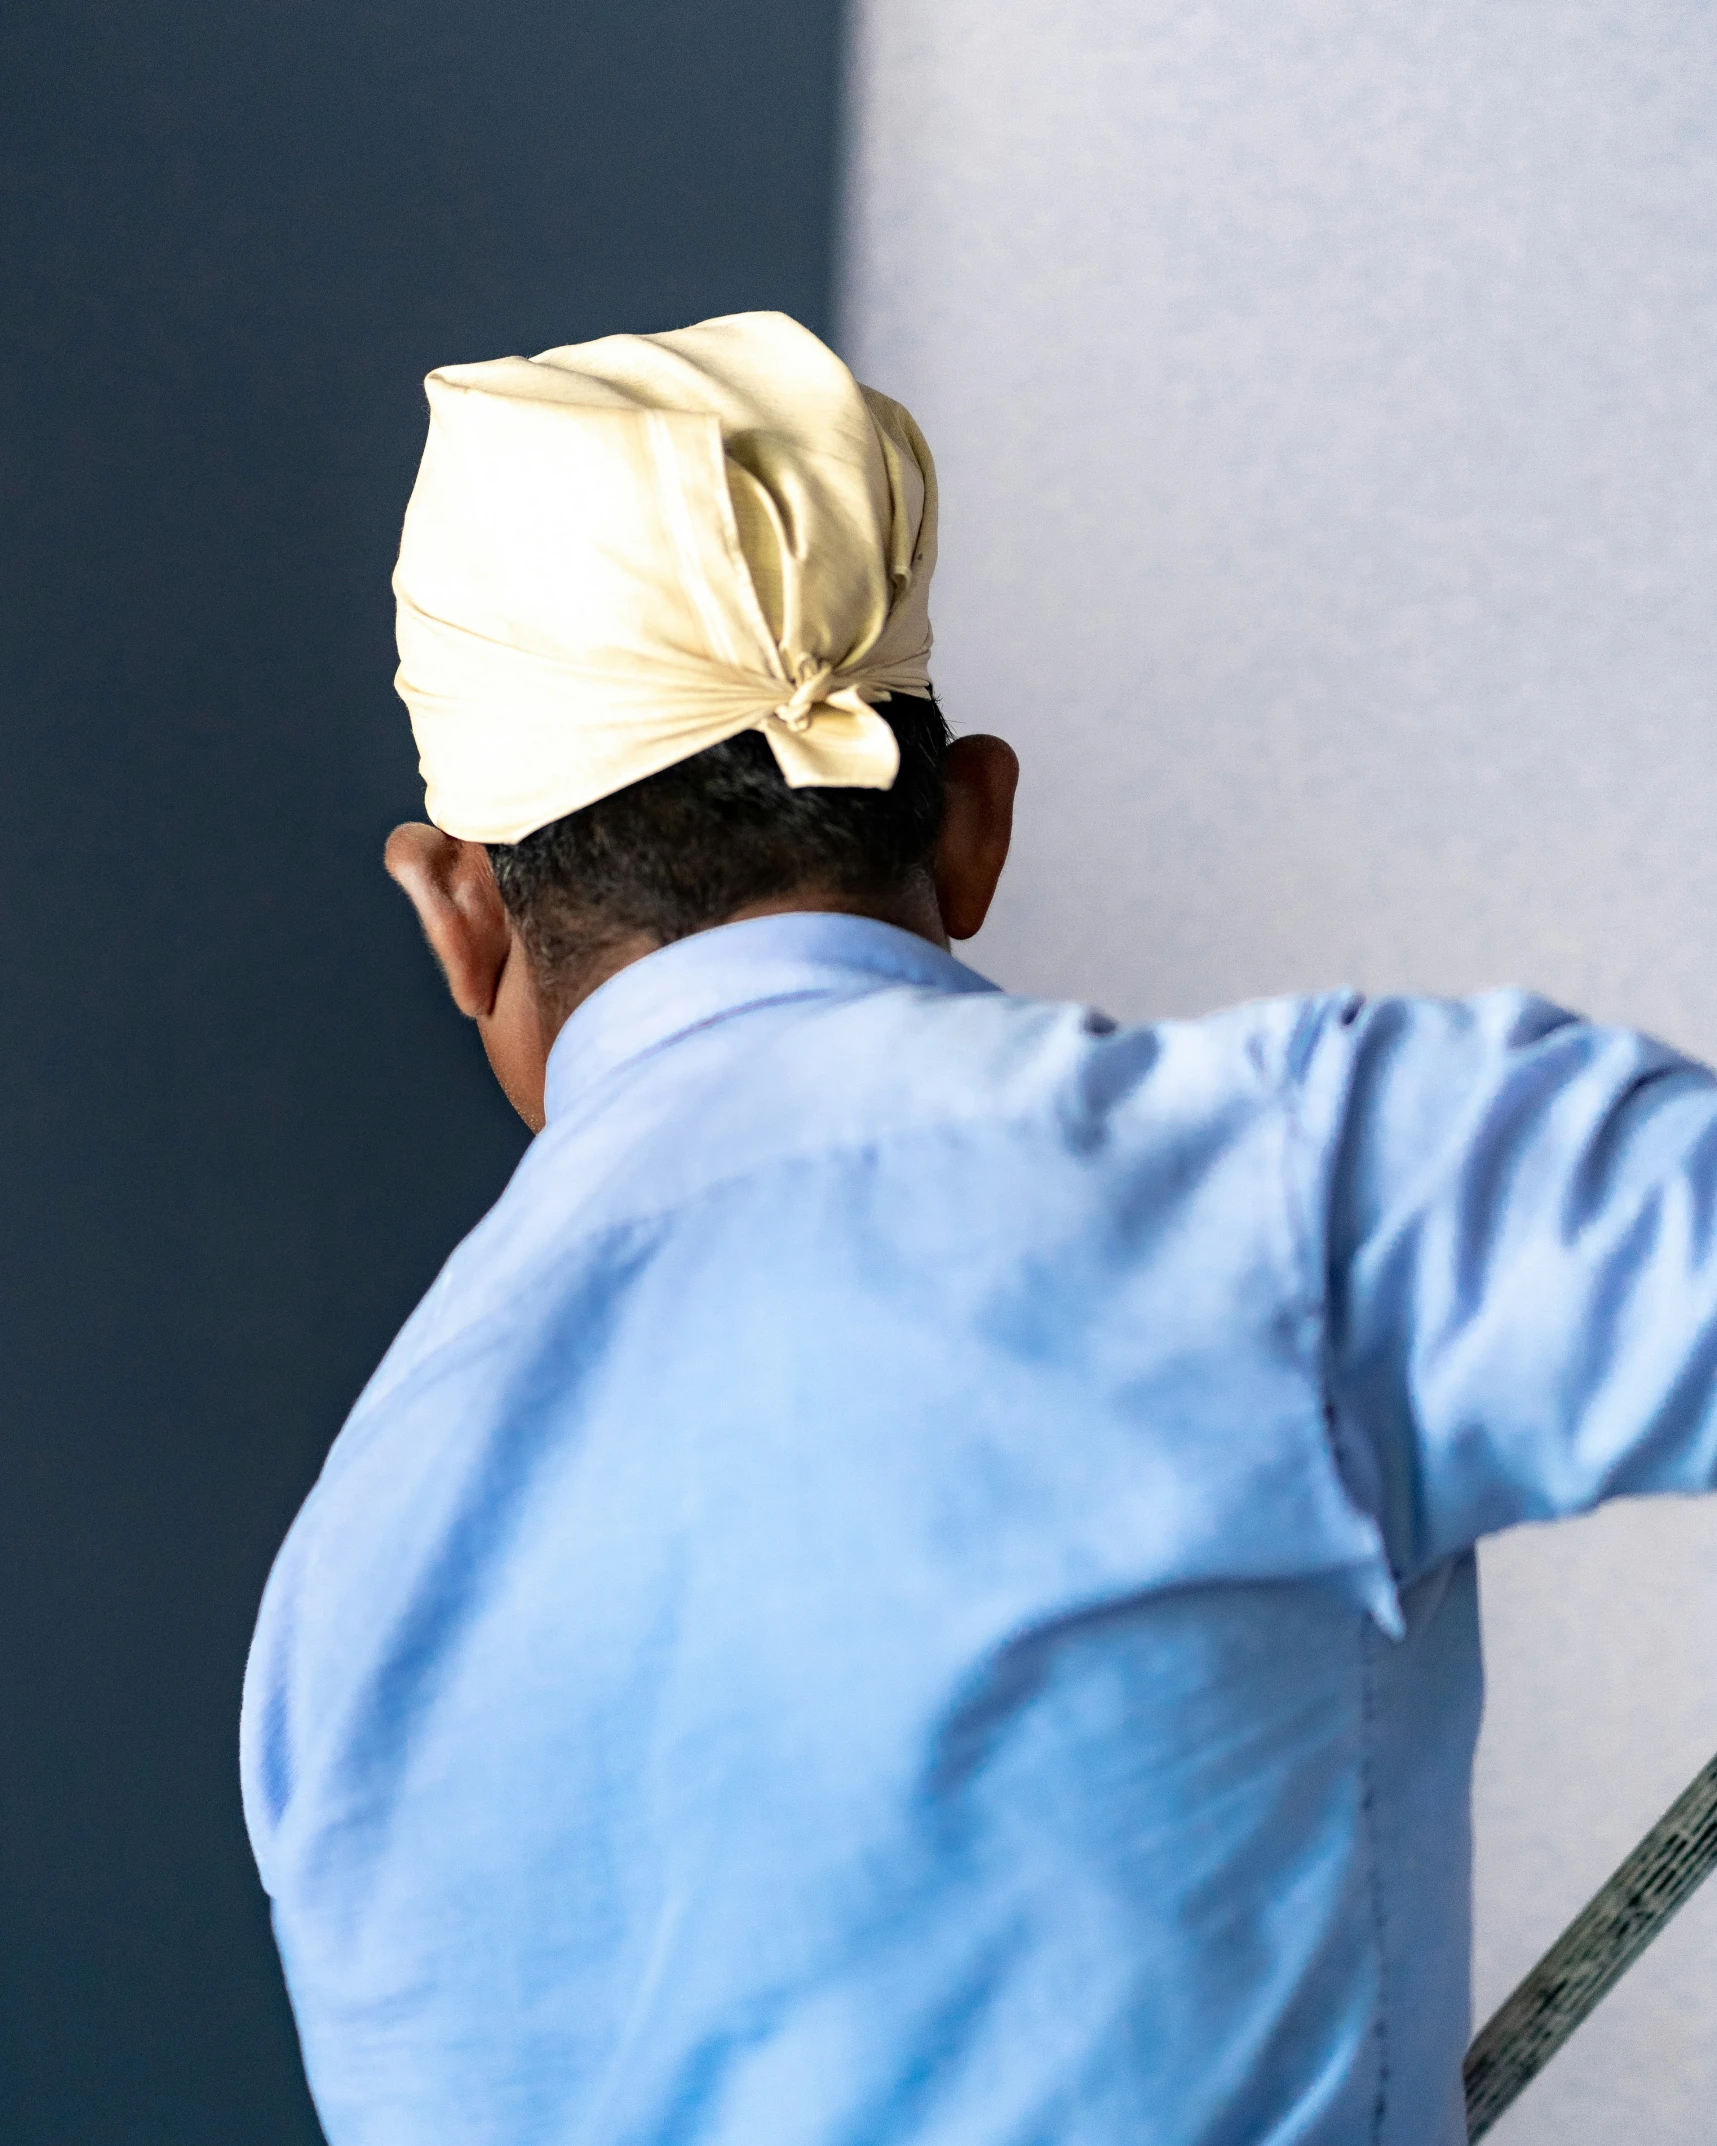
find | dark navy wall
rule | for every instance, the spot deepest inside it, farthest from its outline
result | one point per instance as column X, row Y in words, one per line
column 241, row 1128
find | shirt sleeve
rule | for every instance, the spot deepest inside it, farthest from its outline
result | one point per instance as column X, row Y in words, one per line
column 1521, row 1262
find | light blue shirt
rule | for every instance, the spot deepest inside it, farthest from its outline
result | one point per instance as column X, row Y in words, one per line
column 913, row 1580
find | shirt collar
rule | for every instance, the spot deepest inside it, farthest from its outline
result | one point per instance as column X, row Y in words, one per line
column 713, row 974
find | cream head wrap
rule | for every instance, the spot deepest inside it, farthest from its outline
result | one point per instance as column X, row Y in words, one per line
column 621, row 552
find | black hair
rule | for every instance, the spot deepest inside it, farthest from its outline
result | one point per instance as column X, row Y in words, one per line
column 685, row 848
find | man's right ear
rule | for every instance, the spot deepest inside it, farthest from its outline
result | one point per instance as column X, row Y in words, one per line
column 980, row 776
column 460, row 908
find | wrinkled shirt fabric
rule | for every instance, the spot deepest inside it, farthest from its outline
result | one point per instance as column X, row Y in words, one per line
column 912, row 1583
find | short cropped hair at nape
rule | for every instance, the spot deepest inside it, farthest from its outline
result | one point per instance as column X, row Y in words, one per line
column 684, row 849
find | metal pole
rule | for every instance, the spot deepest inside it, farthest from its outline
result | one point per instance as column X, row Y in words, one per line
column 1589, row 1958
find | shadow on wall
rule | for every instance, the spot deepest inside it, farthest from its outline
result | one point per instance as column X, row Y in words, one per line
column 243, row 1127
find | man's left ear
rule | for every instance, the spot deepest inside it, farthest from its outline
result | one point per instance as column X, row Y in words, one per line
column 459, row 906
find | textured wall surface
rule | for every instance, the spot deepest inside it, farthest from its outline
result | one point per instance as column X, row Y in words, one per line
column 1326, row 404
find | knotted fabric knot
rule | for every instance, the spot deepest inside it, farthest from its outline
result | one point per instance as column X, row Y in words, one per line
column 796, row 712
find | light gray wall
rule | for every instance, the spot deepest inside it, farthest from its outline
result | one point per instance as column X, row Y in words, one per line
column 1325, row 398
